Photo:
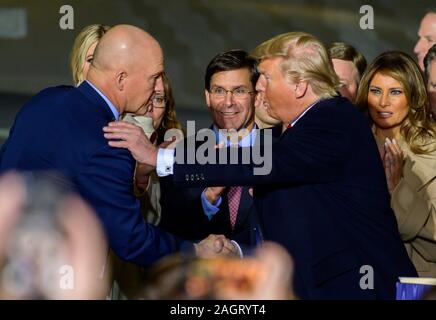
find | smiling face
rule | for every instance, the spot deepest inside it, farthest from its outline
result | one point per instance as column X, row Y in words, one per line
column 230, row 112
column 387, row 103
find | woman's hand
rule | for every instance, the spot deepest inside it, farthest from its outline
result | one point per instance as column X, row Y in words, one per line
column 393, row 163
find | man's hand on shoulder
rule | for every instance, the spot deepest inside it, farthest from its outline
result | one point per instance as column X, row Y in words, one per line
column 122, row 134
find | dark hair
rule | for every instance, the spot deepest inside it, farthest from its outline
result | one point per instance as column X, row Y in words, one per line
column 231, row 60
column 429, row 57
column 344, row 51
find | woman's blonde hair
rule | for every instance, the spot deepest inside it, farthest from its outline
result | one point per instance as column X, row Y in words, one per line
column 304, row 58
column 417, row 129
column 87, row 37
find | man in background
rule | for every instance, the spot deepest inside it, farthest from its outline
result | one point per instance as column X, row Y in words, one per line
column 426, row 36
column 230, row 79
column 430, row 76
column 349, row 64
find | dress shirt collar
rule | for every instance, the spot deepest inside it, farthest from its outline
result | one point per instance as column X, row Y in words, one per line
column 109, row 103
column 304, row 112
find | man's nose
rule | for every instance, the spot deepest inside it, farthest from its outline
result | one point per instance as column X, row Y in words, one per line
column 229, row 98
column 260, row 86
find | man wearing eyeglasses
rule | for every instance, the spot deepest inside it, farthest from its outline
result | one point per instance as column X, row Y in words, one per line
column 230, row 79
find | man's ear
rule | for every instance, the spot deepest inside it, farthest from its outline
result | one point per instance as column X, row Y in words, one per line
column 120, row 79
column 207, row 96
column 300, row 89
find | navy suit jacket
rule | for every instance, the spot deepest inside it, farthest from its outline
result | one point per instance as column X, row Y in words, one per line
column 326, row 201
column 61, row 129
column 183, row 215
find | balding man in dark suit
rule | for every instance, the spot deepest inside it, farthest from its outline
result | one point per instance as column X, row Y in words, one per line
column 61, row 129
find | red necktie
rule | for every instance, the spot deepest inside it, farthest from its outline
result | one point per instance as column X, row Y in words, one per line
column 234, row 198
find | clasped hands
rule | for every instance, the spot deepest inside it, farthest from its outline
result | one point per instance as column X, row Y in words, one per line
column 216, row 245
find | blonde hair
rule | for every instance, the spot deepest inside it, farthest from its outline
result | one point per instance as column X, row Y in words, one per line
column 87, row 37
column 304, row 58
column 417, row 129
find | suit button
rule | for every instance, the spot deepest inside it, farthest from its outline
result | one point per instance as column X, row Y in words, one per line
column 197, row 177
column 187, row 177
column 201, row 177
column 192, row 177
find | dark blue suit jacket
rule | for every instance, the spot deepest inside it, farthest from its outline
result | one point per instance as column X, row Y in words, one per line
column 326, row 201
column 61, row 128
column 183, row 215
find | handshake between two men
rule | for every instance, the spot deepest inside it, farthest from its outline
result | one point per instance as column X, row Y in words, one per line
column 122, row 134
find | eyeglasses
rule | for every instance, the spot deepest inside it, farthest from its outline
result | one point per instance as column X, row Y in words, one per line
column 238, row 93
column 159, row 101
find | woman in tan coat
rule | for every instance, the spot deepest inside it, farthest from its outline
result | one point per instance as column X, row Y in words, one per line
column 393, row 93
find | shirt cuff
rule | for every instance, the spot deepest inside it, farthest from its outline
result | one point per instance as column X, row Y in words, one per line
column 209, row 209
column 165, row 162
column 238, row 247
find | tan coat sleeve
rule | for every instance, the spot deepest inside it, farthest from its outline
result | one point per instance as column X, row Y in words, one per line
column 414, row 200
column 411, row 209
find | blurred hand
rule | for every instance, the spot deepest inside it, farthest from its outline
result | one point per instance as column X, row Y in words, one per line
column 269, row 272
column 393, row 163
column 87, row 248
column 216, row 245
column 12, row 197
column 68, row 247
